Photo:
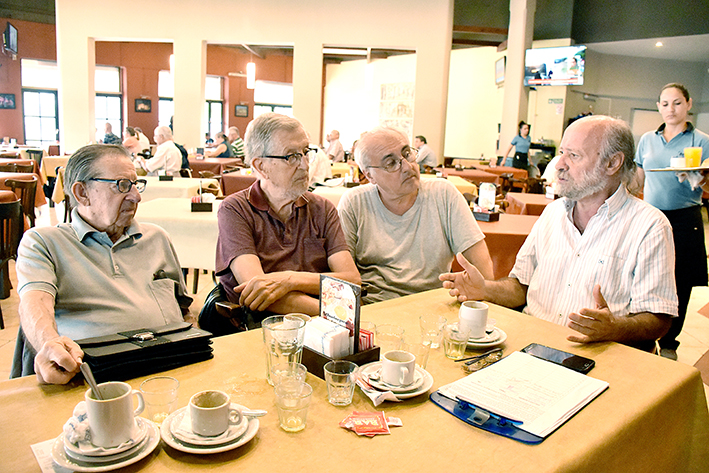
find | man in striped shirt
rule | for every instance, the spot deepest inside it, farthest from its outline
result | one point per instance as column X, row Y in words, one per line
column 236, row 143
column 599, row 260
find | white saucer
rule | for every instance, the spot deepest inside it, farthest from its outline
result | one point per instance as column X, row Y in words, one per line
column 379, row 384
column 60, row 457
column 174, row 442
column 105, row 452
column 425, row 386
column 232, row 433
column 493, row 336
column 497, row 337
column 105, row 459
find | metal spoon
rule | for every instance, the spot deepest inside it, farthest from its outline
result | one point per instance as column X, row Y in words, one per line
column 89, row 377
column 254, row 412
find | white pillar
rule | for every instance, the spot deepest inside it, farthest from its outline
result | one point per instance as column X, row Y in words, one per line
column 307, row 85
column 189, row 72
column 515, row 101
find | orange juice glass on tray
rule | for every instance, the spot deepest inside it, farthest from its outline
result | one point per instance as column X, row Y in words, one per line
column 693, row 157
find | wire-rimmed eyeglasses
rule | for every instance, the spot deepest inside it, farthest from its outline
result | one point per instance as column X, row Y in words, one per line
column 392, row 163
column 294, row 159
column 124, row 185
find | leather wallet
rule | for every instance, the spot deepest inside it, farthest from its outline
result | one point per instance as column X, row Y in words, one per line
column 145, row 351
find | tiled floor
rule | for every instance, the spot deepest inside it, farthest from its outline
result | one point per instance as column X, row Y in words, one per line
column 694, row 339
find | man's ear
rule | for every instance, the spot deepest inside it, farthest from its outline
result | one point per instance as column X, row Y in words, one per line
column 369, row 176
column 81, row 194
column 615, row 163
column 257, row 164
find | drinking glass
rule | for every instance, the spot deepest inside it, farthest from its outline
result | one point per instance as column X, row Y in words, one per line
column 160, row 395
column 419, row 347
column 340, row 377
column 292, row 401
column 283, row 337
column 455, row 341
column 432, row 329
column 292, row 371
column 389, row 337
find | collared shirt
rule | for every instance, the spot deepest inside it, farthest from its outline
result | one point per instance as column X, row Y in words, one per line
column 167, row 157
column 336, row 151
column 626, row 248
column 426, row 157
column 101, row 287
column 247, row 225
column 111, row 139
column 237, row 148
column 319, row 167
column 662, row 189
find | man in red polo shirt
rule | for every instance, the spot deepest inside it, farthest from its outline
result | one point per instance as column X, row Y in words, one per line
column 275, row 238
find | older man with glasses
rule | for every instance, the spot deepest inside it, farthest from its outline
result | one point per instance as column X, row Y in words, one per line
column 101, row 274
column 401, row 230
column 275, row 238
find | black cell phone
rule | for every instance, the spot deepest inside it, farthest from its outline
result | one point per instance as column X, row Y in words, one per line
column 569, row 360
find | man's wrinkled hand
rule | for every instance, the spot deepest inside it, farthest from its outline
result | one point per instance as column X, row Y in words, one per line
column 594, row 325
column 58, row 361
column 262, row 291
column 465, row 285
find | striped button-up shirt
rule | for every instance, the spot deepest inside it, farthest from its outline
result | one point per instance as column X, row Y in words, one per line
column 627, row 248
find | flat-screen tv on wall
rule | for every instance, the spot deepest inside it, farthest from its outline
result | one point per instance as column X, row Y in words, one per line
column 9, row 39
column 554, row 66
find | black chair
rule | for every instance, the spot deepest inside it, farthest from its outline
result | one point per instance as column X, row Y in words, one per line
column 11, row 229
column 185, row 172
column 28, row 189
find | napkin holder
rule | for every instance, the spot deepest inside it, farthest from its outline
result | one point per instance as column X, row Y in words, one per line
column 487, row 216
column 201, row 206
column 315, row 362
column 165, row 178
column 351, row 184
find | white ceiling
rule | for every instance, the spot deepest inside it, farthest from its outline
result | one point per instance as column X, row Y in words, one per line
column 679, row 48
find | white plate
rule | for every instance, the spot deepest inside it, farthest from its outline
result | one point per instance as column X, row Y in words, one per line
column 379, row 384
column 472, row 343
column 60, row 458
column 427, row 380
column 232, row 433
column 106, row 459
column 175, row 443
column 698, row 168
column 106, row 452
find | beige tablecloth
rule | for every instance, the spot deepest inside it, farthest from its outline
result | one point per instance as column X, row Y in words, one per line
column 463, row 185
column 179, row 187
column 526, row 204
column 652, row 418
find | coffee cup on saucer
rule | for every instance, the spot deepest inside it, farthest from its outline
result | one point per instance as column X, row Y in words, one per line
column 211, row 413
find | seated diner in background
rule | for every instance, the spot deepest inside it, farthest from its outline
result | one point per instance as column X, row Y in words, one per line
column 222, row 148
column 131, row 142
column 275, row 238
column 167, row 159
column 599, row 260
column 403, row 231
column 101, row 274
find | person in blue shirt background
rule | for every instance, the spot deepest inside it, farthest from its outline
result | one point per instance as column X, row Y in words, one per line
column 521, row 144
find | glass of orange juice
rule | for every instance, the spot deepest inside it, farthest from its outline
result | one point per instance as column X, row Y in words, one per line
column 693, row 157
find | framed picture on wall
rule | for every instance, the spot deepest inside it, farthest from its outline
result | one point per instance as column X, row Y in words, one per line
column 241, row 110
column 7, row 101
column 143, row 105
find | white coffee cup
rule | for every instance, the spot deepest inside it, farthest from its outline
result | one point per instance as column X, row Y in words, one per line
column 473, row 316
column 398, row 368
column 211, row 413
column 677, row 162
column 112, row 419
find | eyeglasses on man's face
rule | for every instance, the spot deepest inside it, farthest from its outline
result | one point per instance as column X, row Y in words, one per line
column 124, row 185
column 294, row 159
column 393, row 163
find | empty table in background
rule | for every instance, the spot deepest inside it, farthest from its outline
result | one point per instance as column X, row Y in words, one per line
column 463, row 185
column 473, row 175
column 235, row 181
column 526, row 204
column 214, row 165
column 177, row 188
column 504, row 238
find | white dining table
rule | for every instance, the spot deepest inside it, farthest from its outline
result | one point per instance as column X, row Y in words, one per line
column 179, row 187
column 193, row 234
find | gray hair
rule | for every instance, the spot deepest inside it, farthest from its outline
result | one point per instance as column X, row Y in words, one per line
column 617, row 138
column 363, row 152
column 82, row 165
column 164, row 131
column 260, row 132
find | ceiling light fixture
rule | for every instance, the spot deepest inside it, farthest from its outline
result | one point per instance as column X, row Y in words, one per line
column 250, row 75
column 659, row 44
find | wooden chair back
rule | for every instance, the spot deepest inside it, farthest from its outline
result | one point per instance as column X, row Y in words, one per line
column 27, row 191
column 11, row 230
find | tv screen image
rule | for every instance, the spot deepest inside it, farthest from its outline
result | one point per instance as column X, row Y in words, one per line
column 10, row 39
column 554, row 66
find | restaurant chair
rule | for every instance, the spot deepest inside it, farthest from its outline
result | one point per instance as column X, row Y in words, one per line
column 36, row 156
column 53, row 150
column 535, row 185
column 11, row 229
column 24, row 168
column 185, row 172
column 28, row 189
column 7, row 167
column 470, row 198
column 9, row 154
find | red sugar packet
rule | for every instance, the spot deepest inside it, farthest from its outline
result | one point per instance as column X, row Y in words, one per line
column 369, row 423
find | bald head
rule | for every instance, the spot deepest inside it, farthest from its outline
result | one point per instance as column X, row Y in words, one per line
column 370, row 145
column 162, row 134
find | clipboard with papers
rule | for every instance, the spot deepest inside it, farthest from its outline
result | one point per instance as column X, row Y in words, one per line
column 521, row 397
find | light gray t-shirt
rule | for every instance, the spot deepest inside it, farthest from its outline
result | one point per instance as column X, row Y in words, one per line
column 400, row 255
column 101, row 287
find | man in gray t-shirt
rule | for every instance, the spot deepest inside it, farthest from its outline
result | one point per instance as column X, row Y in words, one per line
column 403, row 232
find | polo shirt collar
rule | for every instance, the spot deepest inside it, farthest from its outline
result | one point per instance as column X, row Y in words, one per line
column 83, row 229
column 688, row 129
column 257, row 198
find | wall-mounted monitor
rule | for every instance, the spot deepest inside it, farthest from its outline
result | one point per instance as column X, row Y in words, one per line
column 554, row 66
column 500, row 70
column 9, row 39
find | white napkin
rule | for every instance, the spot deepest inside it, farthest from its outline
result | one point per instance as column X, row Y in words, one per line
column 694, row 178
column 77, row 432
column 376, row 396
column 328, row 338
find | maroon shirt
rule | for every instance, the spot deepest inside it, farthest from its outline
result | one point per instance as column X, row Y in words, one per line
column 247, row 225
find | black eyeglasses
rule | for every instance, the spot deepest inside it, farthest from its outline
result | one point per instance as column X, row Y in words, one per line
column 393, row 163
column 124, row 185
column 294, row 159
